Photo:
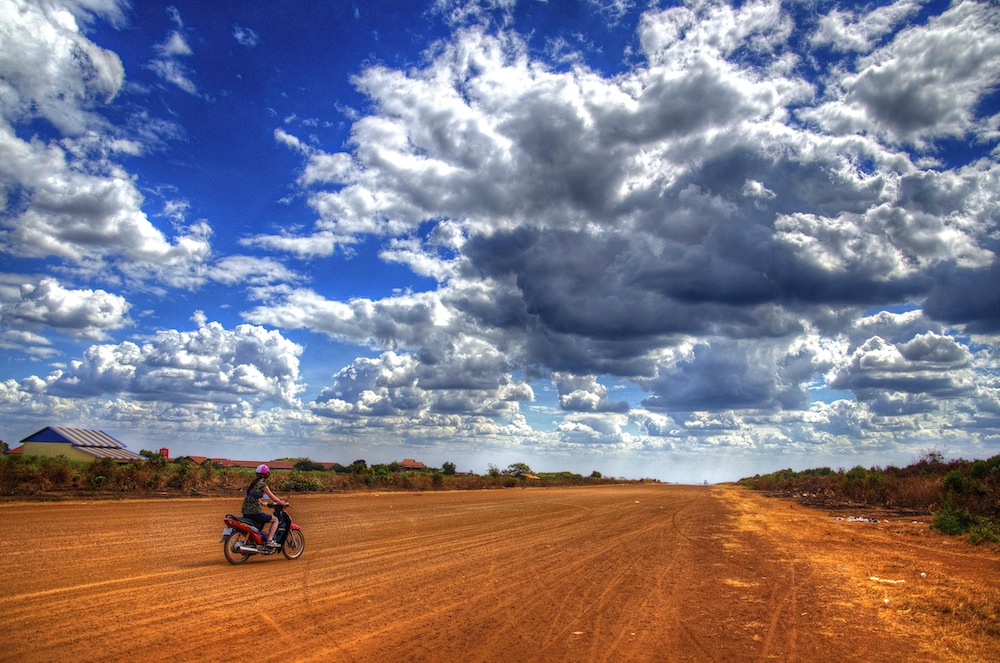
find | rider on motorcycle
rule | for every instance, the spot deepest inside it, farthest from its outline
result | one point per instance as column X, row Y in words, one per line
column 252, row 508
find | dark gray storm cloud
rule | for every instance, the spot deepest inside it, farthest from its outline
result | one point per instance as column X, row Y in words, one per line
column 702, row 200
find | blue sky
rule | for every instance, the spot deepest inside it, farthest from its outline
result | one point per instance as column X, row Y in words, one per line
column 690, row 241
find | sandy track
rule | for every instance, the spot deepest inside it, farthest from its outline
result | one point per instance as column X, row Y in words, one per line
column 627, row 573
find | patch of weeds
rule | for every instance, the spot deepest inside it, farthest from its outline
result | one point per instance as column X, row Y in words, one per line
column 984, row 532
column 951, row 520
column 955, row 522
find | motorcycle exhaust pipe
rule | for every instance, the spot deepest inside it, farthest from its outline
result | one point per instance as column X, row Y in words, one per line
column 252, row 550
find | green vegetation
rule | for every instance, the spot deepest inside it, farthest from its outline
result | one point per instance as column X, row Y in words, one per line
column 41, row 475
column 306, row 465
column 963, row 496
column 517, row 470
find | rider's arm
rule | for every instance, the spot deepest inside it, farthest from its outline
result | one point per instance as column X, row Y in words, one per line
column 273, row 497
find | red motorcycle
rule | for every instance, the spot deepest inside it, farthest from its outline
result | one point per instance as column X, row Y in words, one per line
column 241, row 538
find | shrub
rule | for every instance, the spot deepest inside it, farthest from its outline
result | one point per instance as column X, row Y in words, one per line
column 183, row 474
column 951, row 520
column 57, row 471
column 101, row 473
column 955, row 521
column 154, row 458
column 960, row 483
column 983, row 531
column 300, row 482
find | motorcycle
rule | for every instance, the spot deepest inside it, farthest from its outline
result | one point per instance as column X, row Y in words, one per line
column 241, row 538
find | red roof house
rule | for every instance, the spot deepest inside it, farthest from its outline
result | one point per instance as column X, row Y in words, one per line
column 411, row 465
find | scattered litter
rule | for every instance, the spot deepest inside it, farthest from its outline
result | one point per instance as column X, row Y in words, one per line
column 577, row 632
column 859, row 519
column 904, row 612
column 923, row 575
column 892, row 582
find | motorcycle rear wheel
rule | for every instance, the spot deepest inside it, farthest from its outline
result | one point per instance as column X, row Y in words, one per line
column 231, row 547
column 295, row 544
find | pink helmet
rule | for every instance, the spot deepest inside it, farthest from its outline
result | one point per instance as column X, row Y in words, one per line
column 263, row 469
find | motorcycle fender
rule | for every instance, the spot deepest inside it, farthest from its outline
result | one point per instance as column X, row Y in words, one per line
column 296, row 527
column 225, row 532
column 235, row 524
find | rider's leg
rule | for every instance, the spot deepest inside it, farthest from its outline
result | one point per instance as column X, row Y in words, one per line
column 271, row 528
column 260, row 520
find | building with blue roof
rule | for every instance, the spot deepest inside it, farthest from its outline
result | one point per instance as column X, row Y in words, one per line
column 76, row 444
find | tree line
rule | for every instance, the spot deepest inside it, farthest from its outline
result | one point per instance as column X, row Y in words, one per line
column 963, row 496
column 41, row 475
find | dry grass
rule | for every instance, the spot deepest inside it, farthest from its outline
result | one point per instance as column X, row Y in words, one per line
column 939, row 590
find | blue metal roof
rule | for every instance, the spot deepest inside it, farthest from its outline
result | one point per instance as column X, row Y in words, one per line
column 117, row 454
column 78, row 437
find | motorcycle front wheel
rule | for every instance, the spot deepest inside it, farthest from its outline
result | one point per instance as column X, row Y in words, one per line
column 231, row 547
column 295, row 544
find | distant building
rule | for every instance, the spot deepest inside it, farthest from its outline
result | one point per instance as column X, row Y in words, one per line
column 198, row 460
column 271, row 464
column 410, row 465
column 76, row 444
column 225, row 462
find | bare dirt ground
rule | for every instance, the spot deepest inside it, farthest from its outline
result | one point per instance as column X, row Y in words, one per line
column 623, row 573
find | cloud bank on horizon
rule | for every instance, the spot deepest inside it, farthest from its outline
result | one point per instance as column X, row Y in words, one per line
column 693, row 241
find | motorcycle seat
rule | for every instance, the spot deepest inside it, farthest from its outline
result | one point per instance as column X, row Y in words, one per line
column 246, row 521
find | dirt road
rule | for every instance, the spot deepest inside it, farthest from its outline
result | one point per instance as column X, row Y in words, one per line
column 628, row 573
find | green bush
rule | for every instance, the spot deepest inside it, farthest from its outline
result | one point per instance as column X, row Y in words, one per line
column 960, row 483
column 983, row 531
column 183, row 475
column 953, row 521
column 299, row 482
column 307, row 465
column 101, row 473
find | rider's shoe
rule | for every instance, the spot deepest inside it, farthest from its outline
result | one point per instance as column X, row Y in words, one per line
column 272, row 544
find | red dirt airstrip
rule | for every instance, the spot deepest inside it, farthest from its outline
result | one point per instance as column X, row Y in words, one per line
column 617, row 573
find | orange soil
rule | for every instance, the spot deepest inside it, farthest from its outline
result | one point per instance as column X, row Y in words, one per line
column 618, row 573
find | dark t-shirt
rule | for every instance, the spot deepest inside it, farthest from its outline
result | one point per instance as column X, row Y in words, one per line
column 255, row 491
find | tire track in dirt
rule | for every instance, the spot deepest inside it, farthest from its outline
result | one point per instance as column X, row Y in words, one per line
column 759, row 562
column 781, row 604
column 542, row 582
column 692, row 639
